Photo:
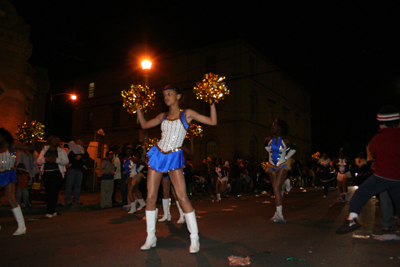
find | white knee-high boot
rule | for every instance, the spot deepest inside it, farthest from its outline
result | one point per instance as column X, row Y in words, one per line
column 142, row 203
column 182, row 215
column 133, row 208
column 191, row 223
column 166, row 202
column 151, row 219
column 288, row 186
column 20, row 220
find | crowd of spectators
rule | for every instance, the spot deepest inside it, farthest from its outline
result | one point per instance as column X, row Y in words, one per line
column 247, row 175
column 217, row 177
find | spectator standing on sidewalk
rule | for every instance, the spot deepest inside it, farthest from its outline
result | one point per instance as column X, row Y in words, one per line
column 22, row 186
column 107, row 167
column 29, row 159
column 73, row 179
column 385, row 149
column 117, row 175
column 237, row 172
column 53, row 160
column 124, row 175
column 324, row 173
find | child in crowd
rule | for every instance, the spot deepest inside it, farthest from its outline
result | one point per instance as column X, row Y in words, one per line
column 22, row 186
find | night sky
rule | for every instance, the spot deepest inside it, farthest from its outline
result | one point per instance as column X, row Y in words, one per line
column 346, row 55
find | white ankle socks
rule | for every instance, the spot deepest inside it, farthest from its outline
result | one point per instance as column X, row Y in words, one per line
column 279, row 209
column 353, row 216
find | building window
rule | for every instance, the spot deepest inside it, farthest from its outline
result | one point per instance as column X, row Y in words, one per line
column 89, row 120
column 211, row 149
column 116, row 112
column 91, row 90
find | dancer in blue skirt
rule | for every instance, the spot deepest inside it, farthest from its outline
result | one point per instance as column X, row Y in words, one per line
column 8, row 176
column 167, row 157
column 280, row 150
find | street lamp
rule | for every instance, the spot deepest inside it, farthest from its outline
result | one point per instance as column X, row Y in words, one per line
column 146, row 65
column 73, row 96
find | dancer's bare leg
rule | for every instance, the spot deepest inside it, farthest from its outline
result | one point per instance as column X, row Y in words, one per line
column 340, row 186
column 130, row 193
column 166, row 183
column 278, row 178
column 153, row 184
column 10, row 192
column 137, row 191
column 178, row 181
column 344, row 190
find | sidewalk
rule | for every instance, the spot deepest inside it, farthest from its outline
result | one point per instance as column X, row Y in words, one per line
column 89, row 198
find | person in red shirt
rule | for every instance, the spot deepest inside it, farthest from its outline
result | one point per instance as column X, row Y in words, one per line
column 385, row 149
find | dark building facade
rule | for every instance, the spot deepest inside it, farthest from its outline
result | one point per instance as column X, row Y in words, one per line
column 259, row 93
column 23, row 87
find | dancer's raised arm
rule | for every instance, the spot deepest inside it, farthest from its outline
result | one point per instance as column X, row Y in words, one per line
column 194, row 115
column 151, row 123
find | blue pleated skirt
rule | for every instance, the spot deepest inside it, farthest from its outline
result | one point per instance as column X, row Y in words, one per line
column 8, row 177
column 161, row 162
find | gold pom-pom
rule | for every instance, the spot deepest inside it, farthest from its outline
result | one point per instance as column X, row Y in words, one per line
column 30, row 132
column 138, row 96
column 150, row 143
column 265, row 165
column 316, row 156
column 211, row 89
column 194, row 131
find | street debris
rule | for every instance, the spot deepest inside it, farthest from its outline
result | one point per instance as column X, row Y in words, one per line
column 235, row 261
column 295, row 259
column 387, row 237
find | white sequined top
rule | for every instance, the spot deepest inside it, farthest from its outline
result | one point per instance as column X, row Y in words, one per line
column 173, row 134
column 7, row 160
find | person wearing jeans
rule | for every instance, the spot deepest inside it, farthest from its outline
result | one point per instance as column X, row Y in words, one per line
column 73, row 180
column 385, row 149
column 76, row 157
column 107, row 168
column 388, row 211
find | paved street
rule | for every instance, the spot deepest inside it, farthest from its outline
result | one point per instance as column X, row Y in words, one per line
column 88, row 236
